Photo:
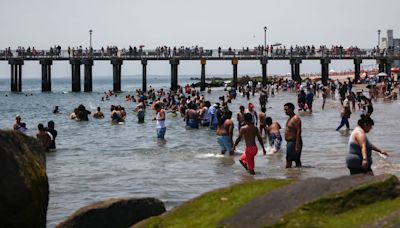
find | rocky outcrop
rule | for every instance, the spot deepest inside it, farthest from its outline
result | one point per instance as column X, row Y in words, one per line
column 24, row 188
column 331, row 196
column 349, row 201
column 114, row 213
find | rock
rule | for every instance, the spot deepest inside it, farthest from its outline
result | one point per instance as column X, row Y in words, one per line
column 114, row 213
column 337, row 195
column 24, row 188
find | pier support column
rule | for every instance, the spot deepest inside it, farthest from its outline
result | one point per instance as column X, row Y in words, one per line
column 203, row 75
column 117, row 65
column 325, row 70
column 76, row 74
column 264, row 62
column 46, row 74
column 174, row 74
column 388, row 67
column 381, row 64
column 144, row 75
column 295, row 69
column 16, row 74
column 292, row 70
column 357, row 67
column 88, row 84
column 235, row 72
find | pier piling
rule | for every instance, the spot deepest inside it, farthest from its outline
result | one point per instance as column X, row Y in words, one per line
column 203, row 75
column 264, row 62
column 117, row 65
column 88, row 84
column 46, row 74
column 235, row 72
column 325, row 70
column 144, row 75
column 76, row 74
column 174, row 73
column 16, row 74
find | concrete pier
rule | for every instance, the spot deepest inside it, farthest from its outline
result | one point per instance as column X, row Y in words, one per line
column 235, row 73
column 46, row 74
column 16, row 74
column 357, row 67
column 325, row 70
column 264, row 62
column 88, row 82
column 117, row 65
column 174, row 74
column 203, row 75
column 144, row 75
column 76, row 74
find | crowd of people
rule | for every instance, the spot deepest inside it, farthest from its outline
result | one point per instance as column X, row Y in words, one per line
column 198, row 112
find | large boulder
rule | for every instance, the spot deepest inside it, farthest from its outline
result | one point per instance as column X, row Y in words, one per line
column 114, row 213
column 332, row 197
column 24, row 188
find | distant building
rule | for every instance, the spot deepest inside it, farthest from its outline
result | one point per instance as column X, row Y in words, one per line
column 393, row 43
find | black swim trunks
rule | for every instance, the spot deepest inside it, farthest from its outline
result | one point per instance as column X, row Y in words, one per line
column 291, row 154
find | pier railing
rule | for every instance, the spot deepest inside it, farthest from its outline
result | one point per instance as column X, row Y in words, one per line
column 200, row 53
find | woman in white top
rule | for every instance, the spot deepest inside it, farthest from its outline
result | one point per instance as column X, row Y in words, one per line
column 161, row 128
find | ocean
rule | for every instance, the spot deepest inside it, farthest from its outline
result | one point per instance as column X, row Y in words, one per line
column 96, row 160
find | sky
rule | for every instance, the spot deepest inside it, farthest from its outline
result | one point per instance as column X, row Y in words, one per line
column 206, row 23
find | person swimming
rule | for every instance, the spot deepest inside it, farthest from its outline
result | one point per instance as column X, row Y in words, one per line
column 273, row 133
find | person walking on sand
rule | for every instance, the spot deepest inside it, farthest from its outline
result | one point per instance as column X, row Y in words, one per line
column 293, row 136
column 249, row 132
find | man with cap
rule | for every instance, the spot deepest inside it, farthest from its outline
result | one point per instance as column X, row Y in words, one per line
column 253, row 113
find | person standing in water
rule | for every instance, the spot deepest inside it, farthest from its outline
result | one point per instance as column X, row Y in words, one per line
column 274, row 134
column 359, row 159
column 250, row 133
column 293, row 137
column 50, row 129
column 160, row 118
column 225, row 133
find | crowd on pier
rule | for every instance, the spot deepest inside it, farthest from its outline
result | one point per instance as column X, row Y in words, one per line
column 165, row 51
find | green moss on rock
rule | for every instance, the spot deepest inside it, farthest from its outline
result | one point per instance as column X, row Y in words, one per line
column 210, row 208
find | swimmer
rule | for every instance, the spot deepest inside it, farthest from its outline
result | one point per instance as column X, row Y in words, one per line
column 44, row 137
column 225, row 133
column 50, row 129
column 18, row 125
column 74, row 114
column 56, row 111
column 98, row 114
column 250, row 133
column 274, row 134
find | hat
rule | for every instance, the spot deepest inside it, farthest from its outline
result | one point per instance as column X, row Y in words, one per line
column 251, row 105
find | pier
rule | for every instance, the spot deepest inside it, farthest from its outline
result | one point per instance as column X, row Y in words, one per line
column 295, row 57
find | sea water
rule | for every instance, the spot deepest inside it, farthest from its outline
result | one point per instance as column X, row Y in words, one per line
column 97, row 160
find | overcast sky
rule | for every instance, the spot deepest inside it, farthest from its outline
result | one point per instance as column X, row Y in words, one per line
column 207, row 23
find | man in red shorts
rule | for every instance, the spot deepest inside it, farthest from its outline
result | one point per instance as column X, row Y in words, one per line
column 249, row 132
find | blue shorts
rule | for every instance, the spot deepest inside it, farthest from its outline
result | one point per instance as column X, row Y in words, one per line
column 275, row 140
column 161, row 132
column 193, row 124
column 225, row 143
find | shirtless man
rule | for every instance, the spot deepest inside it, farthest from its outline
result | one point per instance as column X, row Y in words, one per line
column 98, row 114
column 263, row 124
column 274, row 134
column 225, row 133
column 293, row 137
column 18, row 125
column 249, row 132
column 44, row 137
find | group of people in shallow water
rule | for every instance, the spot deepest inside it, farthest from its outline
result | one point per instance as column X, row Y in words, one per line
column 45, row 135
column 198, row 112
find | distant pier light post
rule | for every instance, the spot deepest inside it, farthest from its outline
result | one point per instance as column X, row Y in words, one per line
column 265, row 39
column 90, row 44
column 379, row 37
